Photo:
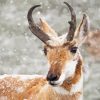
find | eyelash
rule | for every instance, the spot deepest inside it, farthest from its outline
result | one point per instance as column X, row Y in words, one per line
column 73, row 49
column 45, row 51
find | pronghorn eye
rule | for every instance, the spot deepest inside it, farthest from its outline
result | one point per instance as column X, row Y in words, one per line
column 45, row 51
column 73, row 49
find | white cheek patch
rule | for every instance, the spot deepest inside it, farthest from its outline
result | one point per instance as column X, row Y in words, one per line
column 69, row 68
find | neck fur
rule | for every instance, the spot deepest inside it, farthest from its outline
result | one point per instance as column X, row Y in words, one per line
column 72, row 85
column 75, row 84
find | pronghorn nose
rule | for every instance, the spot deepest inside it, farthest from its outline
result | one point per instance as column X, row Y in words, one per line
column 52, row 77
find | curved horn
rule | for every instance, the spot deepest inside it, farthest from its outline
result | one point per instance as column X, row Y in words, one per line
column 34, row 28
column 72, row 23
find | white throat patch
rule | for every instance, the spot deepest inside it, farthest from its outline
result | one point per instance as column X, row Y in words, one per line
column 60, row 90
column 78, row 87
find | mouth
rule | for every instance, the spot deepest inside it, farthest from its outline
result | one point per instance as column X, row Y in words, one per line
column 54, row 83
column 57, row 82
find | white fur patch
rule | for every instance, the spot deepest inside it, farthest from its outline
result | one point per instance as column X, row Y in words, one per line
column 60, row 90
column 81, row 97
column 44, row 88
column 57, row 41
column 3, row 98
column 70, row 67
column 78, row 86
column 57, row 89
column 75, row 88
column 19, row 89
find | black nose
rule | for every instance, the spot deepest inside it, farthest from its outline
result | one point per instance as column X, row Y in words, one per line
column 52, row 77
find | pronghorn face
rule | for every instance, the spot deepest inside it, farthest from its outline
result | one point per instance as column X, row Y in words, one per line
column 62, row 52
column 62, row 61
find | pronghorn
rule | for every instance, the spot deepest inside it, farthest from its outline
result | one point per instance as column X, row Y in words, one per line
column 64, row 80
column 92, row 44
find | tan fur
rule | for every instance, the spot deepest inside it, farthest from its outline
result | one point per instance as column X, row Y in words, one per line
column 61, row 52
column 75, row 79
column 32, row 89
column 60, row 58
column 92, row 43
column 46, row 28
column 16, row 89
column 38, row 89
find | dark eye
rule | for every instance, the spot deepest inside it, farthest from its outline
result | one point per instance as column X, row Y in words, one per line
column 73, row 49
column 45, row 51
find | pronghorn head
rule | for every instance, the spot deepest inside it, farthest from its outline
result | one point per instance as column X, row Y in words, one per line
column 62, row 51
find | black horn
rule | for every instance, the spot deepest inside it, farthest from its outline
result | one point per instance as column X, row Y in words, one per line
column 72, row 23
column 34, row 28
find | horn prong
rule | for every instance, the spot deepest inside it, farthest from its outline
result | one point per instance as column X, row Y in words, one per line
column 72, row 23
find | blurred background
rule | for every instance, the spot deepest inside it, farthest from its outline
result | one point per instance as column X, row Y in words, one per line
column 22, row 53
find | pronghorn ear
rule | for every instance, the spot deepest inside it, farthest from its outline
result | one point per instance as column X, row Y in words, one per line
column 46, row 28
column 82, row 31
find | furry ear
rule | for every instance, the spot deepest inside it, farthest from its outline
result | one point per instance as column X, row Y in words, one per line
column 83, row 29
column 46, row 28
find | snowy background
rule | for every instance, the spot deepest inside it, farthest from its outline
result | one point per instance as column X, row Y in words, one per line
column 21, row 52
